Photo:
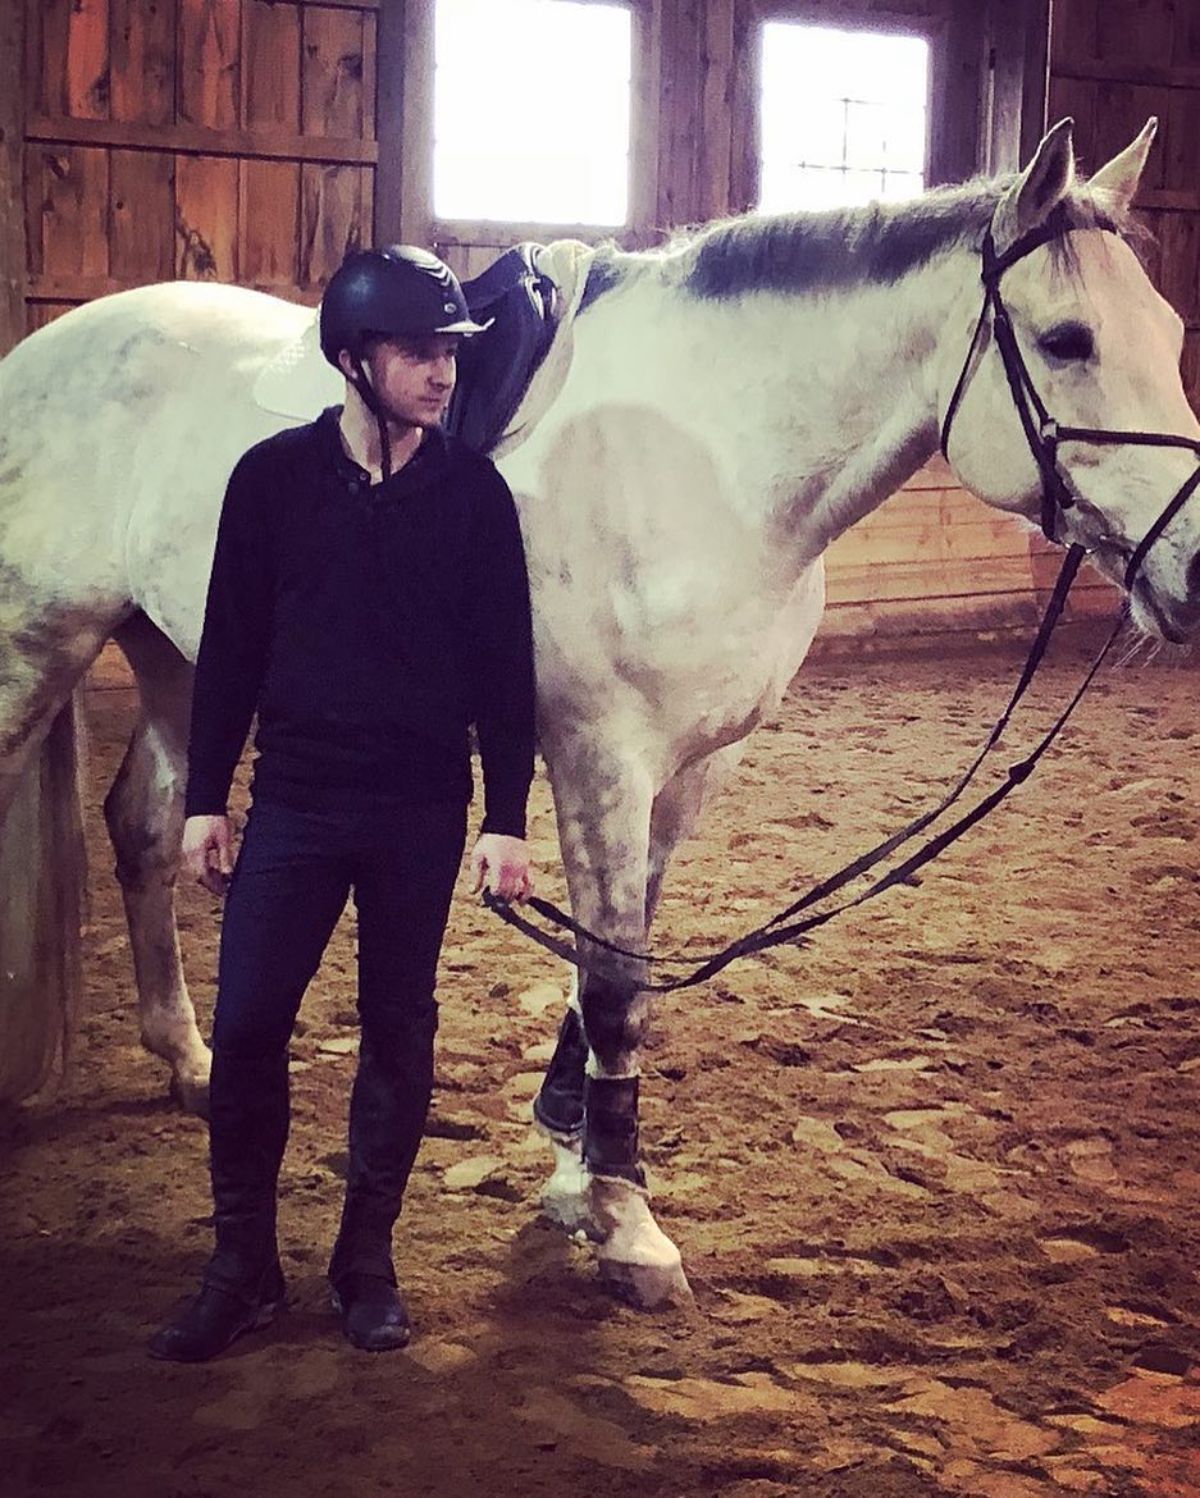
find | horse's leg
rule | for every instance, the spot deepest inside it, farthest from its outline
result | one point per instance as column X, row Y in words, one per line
column 676, row 811
column 603, row 806
column 144, row 812
column 673, row 814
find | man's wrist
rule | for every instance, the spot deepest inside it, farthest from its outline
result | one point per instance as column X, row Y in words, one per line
column 505, row 826
column 205, row 809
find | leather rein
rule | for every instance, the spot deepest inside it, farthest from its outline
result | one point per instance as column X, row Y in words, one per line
column 793, row 923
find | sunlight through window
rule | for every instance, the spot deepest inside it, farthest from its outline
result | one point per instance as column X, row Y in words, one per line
column 843, row 116
column 531, row 111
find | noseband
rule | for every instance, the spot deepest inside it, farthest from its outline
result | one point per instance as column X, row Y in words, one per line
column 1042, row 432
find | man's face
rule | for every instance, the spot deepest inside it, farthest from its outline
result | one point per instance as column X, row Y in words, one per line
column 414, row 377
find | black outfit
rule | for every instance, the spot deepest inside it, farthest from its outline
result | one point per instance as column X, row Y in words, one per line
column 369, row 625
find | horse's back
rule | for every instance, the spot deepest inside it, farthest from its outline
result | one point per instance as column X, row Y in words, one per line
column 206, row 310
column 121, row 422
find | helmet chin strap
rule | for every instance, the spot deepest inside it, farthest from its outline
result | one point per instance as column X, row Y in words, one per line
column 372, row 402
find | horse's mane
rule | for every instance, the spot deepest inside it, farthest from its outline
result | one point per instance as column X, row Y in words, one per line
column 817, row 251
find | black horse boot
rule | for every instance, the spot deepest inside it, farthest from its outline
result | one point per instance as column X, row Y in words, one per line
column 558, row 1107
column 610, row 1145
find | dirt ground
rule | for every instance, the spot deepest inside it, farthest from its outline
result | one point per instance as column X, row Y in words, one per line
column 936, row 1178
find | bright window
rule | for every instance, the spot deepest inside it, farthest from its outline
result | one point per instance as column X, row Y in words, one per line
column 531, row 111
column 843, row 116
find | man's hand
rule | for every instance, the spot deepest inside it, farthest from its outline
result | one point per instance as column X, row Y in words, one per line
column 503, row 863
column 208, row 851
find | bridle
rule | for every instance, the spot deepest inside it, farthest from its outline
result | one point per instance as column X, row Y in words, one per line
column 1043, row 434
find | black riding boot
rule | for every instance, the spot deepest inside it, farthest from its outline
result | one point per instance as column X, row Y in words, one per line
column 243, row 1283
column 388, row 1108
column 248, row 1130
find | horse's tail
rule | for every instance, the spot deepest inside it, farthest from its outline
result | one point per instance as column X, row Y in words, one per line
column 43, row 891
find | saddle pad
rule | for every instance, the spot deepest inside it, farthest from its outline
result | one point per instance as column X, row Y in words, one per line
column 298, row 382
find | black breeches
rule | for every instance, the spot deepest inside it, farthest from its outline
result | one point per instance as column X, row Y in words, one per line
column 293, row 874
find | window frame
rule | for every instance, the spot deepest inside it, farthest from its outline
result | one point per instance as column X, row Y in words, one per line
column 875, row 24
column 747, row 151
column 416, row 221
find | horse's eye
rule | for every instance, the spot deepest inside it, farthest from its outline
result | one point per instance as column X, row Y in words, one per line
column 1069, row 341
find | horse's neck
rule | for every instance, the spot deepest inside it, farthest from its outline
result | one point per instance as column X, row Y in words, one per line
column 847, row 391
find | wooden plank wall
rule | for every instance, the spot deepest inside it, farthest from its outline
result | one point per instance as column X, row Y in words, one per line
column 1113, row 63
column 232, row 139
column 12, row 125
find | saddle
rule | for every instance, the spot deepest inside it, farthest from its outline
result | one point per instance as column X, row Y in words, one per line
column 518, row 300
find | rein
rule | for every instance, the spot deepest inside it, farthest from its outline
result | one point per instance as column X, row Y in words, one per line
column 1043, row 435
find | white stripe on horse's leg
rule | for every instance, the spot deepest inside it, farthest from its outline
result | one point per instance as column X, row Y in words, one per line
column 144, row 812
column 565, row 1198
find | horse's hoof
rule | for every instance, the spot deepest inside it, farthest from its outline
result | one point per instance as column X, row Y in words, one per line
column 647, row 1285
column 637, row 1259
column 191, row 1093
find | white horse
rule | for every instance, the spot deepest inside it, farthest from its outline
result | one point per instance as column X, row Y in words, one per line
column 735, row 402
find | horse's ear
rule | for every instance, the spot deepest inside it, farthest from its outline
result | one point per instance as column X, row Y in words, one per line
column 1119, row 179
column 1040, row 187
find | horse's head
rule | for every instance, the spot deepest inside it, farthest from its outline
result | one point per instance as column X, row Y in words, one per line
column 1100, row 349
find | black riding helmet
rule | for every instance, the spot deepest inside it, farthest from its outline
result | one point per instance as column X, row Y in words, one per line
column 398, row 291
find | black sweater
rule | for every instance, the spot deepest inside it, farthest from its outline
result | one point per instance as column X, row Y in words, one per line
column 369, row 626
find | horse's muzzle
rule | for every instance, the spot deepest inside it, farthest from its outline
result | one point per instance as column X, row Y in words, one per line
column 1176, row 622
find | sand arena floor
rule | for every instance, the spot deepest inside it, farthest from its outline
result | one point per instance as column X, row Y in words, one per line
column 936, row 1179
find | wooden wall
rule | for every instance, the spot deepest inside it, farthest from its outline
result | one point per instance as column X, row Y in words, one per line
column 1113, row 63
column 232, row 139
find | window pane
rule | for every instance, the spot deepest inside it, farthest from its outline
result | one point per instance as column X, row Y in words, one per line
column 843, row 116
column 516, row 139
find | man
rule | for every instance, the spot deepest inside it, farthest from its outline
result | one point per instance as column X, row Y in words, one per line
column 369, row 598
